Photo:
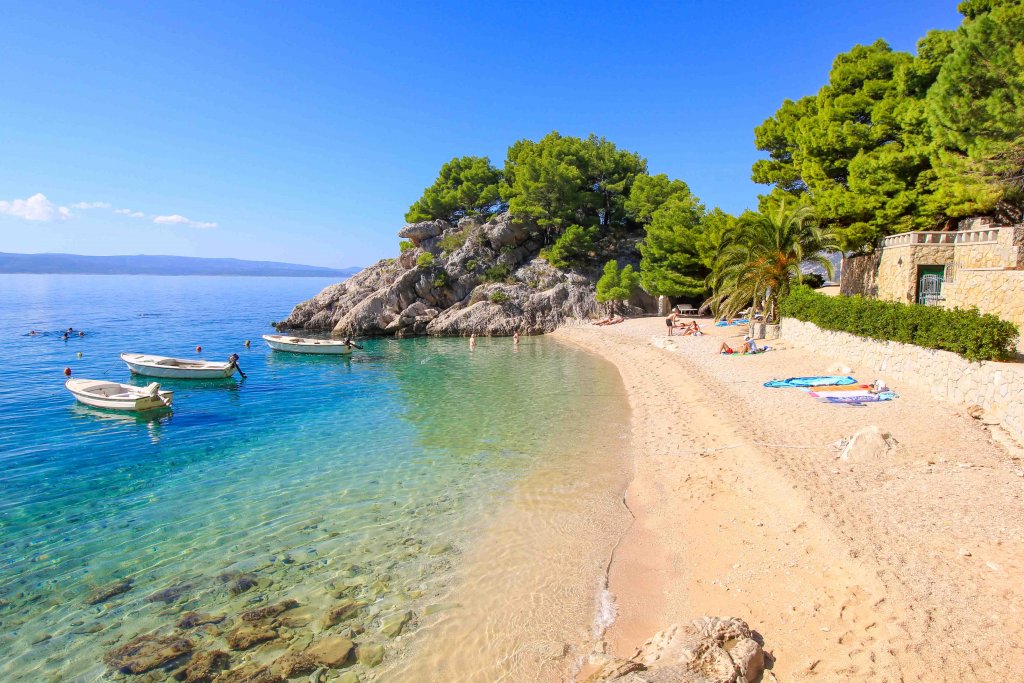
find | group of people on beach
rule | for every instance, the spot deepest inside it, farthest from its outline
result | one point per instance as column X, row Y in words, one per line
column 675, row 322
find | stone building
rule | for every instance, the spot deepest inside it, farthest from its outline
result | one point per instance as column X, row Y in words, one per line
column 979, row 265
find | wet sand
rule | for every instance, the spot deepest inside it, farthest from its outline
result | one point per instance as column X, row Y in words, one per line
column 850, row 570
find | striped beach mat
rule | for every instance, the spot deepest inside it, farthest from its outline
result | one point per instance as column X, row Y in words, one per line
column 821, row 381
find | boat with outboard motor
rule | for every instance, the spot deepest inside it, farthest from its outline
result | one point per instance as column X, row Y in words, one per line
column 100, row 393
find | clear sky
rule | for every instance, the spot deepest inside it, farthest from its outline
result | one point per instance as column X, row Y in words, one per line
column 302, row 131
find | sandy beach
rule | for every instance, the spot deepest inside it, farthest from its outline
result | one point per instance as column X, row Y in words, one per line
column 897, row 568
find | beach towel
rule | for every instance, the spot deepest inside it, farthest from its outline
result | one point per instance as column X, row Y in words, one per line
column 810, row 381
column 726, row 323
column 760, row 350
column 858, row 400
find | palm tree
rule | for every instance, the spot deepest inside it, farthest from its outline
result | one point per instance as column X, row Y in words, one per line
column 759, row 261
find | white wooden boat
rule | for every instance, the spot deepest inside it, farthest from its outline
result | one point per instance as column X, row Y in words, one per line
column 113, row 396
column 177, row 368
column 281, row 342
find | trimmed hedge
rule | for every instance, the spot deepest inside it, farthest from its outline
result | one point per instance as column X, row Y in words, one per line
column 975, row 336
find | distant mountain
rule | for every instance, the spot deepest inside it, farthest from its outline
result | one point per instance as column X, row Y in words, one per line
column 159, row 265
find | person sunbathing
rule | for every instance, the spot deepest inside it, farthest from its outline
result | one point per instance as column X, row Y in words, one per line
column 692, row 328
column 613, row 320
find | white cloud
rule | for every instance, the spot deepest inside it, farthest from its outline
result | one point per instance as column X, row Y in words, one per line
column 130, row 213
column 176, row 219
column 91, row 205
column 35, row 208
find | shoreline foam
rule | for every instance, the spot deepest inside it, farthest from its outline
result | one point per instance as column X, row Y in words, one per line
column 850, row 570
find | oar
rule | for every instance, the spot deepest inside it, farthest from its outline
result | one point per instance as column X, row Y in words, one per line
column 234, row 362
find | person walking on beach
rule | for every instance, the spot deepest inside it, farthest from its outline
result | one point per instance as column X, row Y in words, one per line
column 670, row 321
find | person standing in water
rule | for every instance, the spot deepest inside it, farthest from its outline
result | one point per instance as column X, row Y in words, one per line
column 515, row 338
column 472, row 340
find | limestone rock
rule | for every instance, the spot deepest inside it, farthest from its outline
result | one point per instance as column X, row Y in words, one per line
column 242, row 583
column 707, row 650
column 417, row 232
column 203, row 667
column 250, row 673
column 370, row 654
column 295, row 664
column 333, row 651
column 615, row 670
column 104, row 593
column 868, row 443
column 493, row 284
column 193, row 619
column 169, row 595
column 343, row 611
column 246, row 636
column 392, row 625
column 348, row 677
column 270, row 611
column 976, row 411
column 146, row 652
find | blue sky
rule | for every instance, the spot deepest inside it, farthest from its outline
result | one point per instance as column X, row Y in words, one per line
column 302, row 131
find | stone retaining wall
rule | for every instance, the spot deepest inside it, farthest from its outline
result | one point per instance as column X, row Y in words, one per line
column 997, row 387
column 1000, row 292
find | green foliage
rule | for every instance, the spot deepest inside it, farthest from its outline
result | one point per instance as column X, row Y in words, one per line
column 670, row 261
column 649, row 193
column 896, row 142
column 471, row 265
column 969, row 333
column 464, row 186
column 498, row 297
column 760, row 259
column 453, row 241
column 425, row 260
column 404, row 246
column 615, row 284
column 441, row 279
column 814, row 280
column 562, row 181
column 976, row 110
column 498, row 273
column 572, row 246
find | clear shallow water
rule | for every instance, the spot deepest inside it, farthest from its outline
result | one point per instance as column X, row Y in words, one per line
column 315, row 477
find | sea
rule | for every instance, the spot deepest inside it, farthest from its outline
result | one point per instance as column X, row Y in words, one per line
column 465, row 501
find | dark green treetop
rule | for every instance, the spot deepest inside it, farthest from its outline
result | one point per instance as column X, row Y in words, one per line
column 465, row 186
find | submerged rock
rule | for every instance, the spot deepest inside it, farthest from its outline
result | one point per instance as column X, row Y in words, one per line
column 104, row 593
column 295, row 664
column 392, row 625
column 370, row 654
column 332, row 652
column 169, row 595
column 246, row 636
column 270, row 611
column 147, row 652
column 343, row 611
column 250, row 673
column 203, row 667
column 241, row 584
column 193, row 619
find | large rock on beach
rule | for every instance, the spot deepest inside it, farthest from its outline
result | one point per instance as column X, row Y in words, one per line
column 147, row 652
column 707, row 650
column 483, row 277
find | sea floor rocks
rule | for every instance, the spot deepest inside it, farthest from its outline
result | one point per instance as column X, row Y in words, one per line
column 250, row 673
column 147, row 652
column 392, row 625
column 104, row 593
column 347, row 609
column 246, row 636
column 270, row 611
column 370, row 654
column 332, row 652
column 295, row 664
column 203, row 667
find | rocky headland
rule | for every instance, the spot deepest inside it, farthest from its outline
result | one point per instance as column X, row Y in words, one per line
column 486, row 278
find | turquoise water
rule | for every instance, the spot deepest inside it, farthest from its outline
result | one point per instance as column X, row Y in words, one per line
column 313, row 477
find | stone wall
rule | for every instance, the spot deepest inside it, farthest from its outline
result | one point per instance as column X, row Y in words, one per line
column 1000, row 292
column 858, row 274
column 997, row 387
column 1005, row 251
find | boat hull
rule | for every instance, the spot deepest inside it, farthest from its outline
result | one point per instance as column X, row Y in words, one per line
column 311, row 346
column 128, row 401
column 149, row 368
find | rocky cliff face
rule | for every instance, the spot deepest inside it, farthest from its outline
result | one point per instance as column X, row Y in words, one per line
column 482, row 278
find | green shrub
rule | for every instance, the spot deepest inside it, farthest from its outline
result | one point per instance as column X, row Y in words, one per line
column 498, row 297
column 441, row 279
column 453, row 240
column 975, row 336
column 572, row 247
column 498, row 273
column 425, row 260
column 404, row 246
column 471, row 265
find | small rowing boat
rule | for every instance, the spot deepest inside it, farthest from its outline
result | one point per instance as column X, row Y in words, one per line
column 280, row 342
column 177, row 368
column 100, row 393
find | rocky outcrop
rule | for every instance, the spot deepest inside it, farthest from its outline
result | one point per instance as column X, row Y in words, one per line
column 474, row 277
column 147, row 652
column 707, row 650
